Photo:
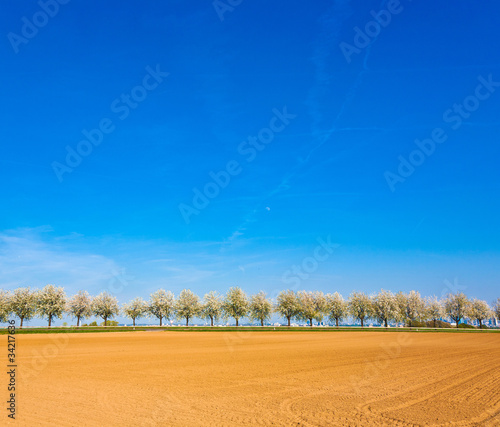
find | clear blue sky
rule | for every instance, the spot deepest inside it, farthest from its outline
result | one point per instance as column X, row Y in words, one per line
column 346, row 110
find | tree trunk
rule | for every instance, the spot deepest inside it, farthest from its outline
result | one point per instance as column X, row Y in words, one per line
column 21, row 323
column 311, row 322
column 106, row 321
column 50, row 321
column 187, row 321
column 262, row 322
column 337, row 322
column 77, row 321
column 236, row 321
column 434, row 323
column 133, row 321
column 480, row 324
column 385, row 321
column 212, row 321
column 288, row 318
column 160, row 319
column 361, row 322
column 458, row 320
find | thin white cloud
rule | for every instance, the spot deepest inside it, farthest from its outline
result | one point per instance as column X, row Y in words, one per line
column 27, row 259
column 331, row 24
column 36, row 257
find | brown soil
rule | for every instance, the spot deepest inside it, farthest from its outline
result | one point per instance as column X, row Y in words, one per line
column 251, row 378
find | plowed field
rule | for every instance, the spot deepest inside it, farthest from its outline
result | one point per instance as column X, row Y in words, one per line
column 254, row 378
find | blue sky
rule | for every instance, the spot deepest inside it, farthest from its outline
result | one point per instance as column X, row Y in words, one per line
column 181, row 90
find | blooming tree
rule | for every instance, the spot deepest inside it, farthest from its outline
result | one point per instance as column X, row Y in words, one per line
column 312, row 305
column 479, row 310
column 415, row 308
column 80, row 306
column 236, row 304
column 456, row 306
column 5, row 305
column 212, row 306
column 106, row 306
column 51, row 302
column 187, row 305
column 434, row 309
column 260, row 307
column 287, row 305
column 409, row 307
column 161, row 304
column 135, row 309
column 336, row 307
column 384, row 306
column 360, row 306
column 23, row 304
column 496, row 308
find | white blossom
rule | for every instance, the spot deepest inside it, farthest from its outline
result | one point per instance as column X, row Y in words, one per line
column 161, row 305
column 106, row 306
column 260, row 307
column 187, row 305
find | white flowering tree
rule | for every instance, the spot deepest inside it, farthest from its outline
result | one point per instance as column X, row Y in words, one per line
column 161, row 305
column 287, row 305
column 260, row 307
column 236, row 304
column 434, row 309
column 360, row 306
column 5, row 307
column 479, row 310
column 401, row 303
column 212, row 307
column 456, row 306
column 384, row 306
column 80, row 306
column 187, row 305
column 23, row 304
column 135, row 309
column 105, row 306
column 312, row 305
column 496, row 308
column 415, row 309
column 336, row 307
column 51, row 303
column 409, row 307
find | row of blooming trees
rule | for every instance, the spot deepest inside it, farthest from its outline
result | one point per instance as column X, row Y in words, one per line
column 51, row 302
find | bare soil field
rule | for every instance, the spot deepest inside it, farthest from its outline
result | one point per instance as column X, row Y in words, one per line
column 252, row 378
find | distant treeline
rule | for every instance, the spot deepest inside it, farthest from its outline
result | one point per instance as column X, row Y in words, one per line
column 406, row 308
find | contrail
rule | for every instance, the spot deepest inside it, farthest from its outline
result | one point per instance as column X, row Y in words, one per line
column 342, row 9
